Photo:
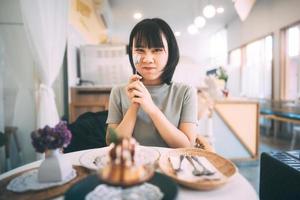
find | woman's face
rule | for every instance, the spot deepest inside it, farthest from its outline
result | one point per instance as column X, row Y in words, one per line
column 152, row 62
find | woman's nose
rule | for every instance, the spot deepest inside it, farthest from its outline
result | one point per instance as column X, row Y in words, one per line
column 148, row 58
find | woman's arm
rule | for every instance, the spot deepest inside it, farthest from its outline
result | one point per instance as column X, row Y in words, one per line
column 183, row 136
column 126, row 126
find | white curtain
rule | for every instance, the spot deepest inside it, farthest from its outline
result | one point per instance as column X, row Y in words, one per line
column 1, row 87
column 218, row 48
column 45, row 22
column 257, row 70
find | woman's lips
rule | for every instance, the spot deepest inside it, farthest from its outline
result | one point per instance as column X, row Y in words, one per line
column 148, row 69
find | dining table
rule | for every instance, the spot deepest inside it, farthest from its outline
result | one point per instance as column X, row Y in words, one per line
column 237, row 186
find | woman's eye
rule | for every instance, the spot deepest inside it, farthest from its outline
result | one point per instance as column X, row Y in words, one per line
column 158, row 50
column 139, row 50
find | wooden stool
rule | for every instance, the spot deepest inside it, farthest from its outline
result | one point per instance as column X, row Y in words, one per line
column 11, row 131
column 268, row 129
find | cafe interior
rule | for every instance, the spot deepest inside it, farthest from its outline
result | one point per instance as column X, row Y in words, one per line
column 60, row 59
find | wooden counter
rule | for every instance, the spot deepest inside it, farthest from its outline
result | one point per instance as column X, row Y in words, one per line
column 242, row 119
column 84, row 99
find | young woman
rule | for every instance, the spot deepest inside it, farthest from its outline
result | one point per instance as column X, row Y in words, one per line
column 151, row 108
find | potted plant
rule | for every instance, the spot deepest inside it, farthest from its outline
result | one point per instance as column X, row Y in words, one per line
column 50, row 141
column 222, row 75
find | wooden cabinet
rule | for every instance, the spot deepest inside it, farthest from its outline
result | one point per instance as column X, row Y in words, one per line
column 84, row 99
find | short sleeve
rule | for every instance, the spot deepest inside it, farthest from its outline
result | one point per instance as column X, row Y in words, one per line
column 114, row 108
column 189, row 107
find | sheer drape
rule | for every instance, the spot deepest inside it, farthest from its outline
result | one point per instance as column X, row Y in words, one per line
column 1, row 86
column 218, row 48
column 257, row 70
column 45, row 22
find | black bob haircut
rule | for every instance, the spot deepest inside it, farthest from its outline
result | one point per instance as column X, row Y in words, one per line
column 148, row 34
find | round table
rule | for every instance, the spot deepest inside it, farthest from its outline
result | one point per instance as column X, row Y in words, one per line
column 237, row 188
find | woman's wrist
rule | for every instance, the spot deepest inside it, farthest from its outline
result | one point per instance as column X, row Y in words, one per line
column 134, row 107
column 153, row 110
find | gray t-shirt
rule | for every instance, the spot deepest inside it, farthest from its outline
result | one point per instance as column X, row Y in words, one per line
column 177, row 101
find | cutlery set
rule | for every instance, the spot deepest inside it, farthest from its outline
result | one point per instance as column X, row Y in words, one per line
column 196, row 171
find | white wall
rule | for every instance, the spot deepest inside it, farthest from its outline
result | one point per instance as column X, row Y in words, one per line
column 75, row 40
column 267, row 16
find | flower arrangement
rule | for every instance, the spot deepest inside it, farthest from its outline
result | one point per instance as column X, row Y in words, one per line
column 51, row 138
column 222, row 74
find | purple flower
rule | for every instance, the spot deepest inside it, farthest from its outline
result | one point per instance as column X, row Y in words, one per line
column 51, row 138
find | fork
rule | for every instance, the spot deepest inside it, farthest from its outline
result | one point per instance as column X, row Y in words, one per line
column 195, row 172
column 205, row 170
column 180, row 161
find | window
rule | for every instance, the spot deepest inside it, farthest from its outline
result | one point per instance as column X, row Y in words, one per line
column 292, row 63
column 234, row 71
column 235, row 58
column 218, row 49
column 293, row 41
column 257, row 69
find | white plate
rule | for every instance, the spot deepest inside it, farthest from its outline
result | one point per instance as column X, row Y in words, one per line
column 98, row 158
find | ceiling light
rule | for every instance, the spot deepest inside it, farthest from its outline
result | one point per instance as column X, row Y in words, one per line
column 209, row 11
column 137, row 15
column 199, row 22
column 177, row 33
column 192, row 29
column 220, row 10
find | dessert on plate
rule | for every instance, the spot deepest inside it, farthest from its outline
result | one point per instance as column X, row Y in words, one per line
column 122, row 168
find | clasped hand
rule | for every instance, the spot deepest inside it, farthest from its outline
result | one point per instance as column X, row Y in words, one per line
column 139, row 95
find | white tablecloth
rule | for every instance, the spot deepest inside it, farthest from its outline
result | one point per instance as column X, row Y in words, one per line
column 237, row 188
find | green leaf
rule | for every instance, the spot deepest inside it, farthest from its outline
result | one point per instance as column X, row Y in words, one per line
column 223, row 74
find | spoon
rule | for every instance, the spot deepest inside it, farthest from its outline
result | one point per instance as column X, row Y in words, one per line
column 180, row 161
column 136, row 60
column 195, row 172
column 205, row 170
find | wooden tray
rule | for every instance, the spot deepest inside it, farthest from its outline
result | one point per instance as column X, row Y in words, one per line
column 226, row 167
column 48, row 193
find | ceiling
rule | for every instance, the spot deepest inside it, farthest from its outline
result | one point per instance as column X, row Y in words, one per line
column 178, row 13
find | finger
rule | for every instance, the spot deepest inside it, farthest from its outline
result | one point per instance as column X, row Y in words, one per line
column 135, row 86
column 136, row 93
column 134, row 77
column 137, row 100
column 128, row 91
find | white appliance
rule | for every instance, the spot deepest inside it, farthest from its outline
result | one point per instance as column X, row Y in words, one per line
column 105, row 65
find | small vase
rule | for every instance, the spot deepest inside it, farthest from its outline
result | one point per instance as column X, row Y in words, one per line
column 54, row 168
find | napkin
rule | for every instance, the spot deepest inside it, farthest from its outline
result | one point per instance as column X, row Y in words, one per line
column 187, row 169
column 29, row 181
